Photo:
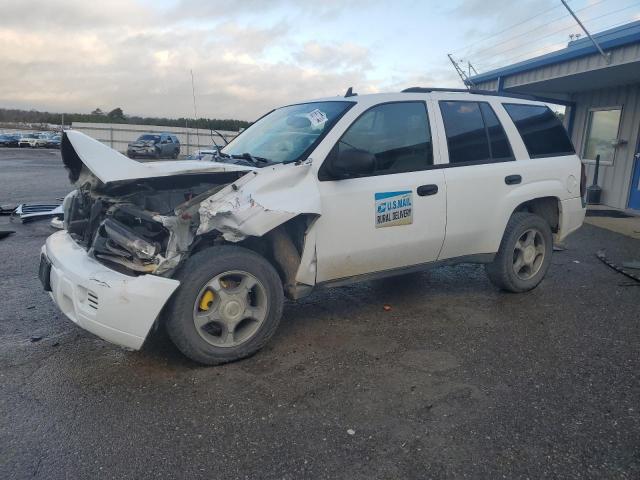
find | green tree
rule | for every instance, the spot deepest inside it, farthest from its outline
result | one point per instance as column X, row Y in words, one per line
column 116, row 114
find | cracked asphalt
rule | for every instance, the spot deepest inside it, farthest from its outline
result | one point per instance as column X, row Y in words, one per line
column 456, row 380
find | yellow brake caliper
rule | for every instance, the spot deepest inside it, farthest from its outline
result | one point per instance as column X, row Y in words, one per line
column 206, row 301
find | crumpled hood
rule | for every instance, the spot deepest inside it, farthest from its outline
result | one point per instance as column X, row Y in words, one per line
column 142, row 144
column 108, row 165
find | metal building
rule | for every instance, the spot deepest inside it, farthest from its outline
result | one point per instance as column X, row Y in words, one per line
column 602, row 96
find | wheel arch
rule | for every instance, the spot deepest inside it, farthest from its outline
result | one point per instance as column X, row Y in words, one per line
column 283, row 247
column 548, row 207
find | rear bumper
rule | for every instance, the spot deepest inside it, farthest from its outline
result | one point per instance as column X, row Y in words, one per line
column 116, row 307
column 571, row 217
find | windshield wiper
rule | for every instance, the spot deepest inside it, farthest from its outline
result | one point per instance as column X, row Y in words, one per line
column 253, row 160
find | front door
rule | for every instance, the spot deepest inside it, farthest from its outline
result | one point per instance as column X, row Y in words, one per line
column 634, row 195
column 392, row 217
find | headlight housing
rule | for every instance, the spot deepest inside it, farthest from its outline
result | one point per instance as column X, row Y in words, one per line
column 66, row 207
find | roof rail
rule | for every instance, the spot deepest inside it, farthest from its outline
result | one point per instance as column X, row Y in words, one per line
column 474, row 91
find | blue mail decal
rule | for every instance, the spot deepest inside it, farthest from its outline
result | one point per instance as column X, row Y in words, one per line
column 394, row 208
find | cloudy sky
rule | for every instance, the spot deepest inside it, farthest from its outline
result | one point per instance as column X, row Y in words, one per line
column 249, row 56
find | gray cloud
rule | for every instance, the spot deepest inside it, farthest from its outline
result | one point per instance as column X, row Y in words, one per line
column 76, row 55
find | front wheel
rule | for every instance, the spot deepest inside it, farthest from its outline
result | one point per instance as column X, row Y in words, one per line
column 524, row 255
column 227, row 307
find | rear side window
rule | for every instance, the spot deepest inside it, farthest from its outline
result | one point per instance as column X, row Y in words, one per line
column 474, row 133
column 541, row 130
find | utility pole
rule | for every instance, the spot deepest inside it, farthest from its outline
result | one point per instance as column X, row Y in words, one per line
column 195, row 111
column 463, row 76
column 607, row 57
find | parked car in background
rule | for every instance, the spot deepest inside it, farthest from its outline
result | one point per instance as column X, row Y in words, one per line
column 32, row 140
column 155, row 145
column 54, row 141
column 9, row 140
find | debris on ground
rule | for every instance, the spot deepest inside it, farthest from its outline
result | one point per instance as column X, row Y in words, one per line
column 57, row 222
column 5, row 233
column 602, row 257
column 7, row 209
column 38, row 211
column 351, row 432
column 386, row 308
column 35, row 339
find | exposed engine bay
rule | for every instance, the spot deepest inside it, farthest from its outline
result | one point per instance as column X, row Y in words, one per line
column 128, row 223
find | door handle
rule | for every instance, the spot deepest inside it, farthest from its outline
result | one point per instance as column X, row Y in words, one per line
column 512, row 179
column 424, row 190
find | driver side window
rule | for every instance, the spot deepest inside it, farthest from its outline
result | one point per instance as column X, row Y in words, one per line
column 396, row 134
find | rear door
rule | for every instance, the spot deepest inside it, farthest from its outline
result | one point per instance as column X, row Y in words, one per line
column 394, row 217
column 480, row 174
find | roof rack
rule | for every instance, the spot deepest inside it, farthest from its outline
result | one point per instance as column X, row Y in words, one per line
column 474, row 91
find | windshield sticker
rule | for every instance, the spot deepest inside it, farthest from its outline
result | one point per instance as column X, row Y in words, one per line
column 317, row 117
column 394, row 208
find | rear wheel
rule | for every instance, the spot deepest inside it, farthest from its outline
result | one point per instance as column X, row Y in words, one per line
column 228, row 305
column 525, row 254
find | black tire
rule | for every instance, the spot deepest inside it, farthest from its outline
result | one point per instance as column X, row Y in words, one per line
column 502, row 271
column 193, row 276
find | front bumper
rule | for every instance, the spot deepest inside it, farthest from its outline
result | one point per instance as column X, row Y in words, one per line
column 116, row 307
column 142, row 151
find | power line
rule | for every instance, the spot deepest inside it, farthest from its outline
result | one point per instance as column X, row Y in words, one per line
column 541, row 50
column 530, row 52
column 567, row 16
column 508, row 28
column 555, row 32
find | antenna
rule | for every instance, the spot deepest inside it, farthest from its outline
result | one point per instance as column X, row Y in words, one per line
column 607, row 57
column 195, row 111
column 463, row 76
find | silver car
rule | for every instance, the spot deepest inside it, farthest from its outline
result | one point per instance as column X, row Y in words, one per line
column 154, row 145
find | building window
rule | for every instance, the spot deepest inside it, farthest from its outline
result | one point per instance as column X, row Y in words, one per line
column 602, row 135
column 541, row 130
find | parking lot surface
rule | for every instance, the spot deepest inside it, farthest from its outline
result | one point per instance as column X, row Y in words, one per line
column 456, row 380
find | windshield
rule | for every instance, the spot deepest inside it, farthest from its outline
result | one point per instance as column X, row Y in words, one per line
column 146, row 138
column 287, row 133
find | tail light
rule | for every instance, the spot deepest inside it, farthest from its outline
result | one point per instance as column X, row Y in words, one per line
column 583, row 179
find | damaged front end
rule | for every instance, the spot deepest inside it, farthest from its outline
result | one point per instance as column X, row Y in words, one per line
column 147, row 218
column 141, row 225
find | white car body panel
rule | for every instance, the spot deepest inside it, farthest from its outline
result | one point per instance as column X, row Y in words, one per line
column 124, row 308
column 111, row 166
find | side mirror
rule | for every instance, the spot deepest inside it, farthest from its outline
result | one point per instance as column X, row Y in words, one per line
column 351, row 162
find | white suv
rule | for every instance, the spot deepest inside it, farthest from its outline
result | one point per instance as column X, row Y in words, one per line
column 312, row 195
column 32, row 140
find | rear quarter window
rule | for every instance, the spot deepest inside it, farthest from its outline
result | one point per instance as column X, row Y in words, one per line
column 541, row 130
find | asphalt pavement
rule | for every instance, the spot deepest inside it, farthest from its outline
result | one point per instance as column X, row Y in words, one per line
column 456, row 380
